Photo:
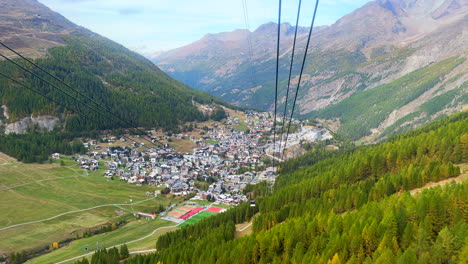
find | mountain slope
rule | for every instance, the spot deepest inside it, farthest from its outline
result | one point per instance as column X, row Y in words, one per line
column 31, row 27
column 122, row 81
column 375, row 45
column 354, row 207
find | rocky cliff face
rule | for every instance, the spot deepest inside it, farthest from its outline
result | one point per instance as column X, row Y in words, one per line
column 373, row 46
column 43, row 123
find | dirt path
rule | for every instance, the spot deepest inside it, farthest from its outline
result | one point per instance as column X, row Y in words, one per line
column 463, row 177
column 244, row 229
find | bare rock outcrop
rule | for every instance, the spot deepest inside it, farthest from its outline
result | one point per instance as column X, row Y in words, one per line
column 42, row 122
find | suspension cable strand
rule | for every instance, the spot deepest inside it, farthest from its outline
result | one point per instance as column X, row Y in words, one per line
column 276, row 83
column 33, row 90
column 66, row 93
column 49, row 98
column 51, row 75
column 249, row 42
column 75, row 90
column 300, row 75
column 290, row 73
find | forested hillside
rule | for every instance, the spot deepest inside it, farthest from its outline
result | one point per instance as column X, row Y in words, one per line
column 353, row 207
column 134, row 90
column 126, row 89
column 121, row 81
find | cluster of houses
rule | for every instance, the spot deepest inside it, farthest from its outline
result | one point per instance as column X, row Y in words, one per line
column 219, row 155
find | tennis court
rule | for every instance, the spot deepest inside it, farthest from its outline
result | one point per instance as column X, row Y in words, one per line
column 177, row 213
column 214, row 209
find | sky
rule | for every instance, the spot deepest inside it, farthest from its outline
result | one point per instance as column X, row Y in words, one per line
column 150, row 26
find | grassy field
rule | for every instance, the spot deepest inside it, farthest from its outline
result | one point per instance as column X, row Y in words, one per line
column 242, row 126
column 197, row 218
column 182, row 145
column 201, row 202
column 212, row 142
column 132, row 231
column 44, row 191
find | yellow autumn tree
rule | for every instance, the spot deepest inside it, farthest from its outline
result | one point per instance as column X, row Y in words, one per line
column 335, row 260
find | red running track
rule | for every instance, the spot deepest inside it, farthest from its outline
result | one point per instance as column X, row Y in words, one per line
column 191, row 213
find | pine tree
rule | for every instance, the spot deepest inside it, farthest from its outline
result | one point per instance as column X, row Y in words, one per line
column 409, row 256
column 386, row 257
column 124, row 252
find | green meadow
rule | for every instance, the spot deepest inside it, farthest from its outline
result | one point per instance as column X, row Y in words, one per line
column 130, row 232
column 33, row 192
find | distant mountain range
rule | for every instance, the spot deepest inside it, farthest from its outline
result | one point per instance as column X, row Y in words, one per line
column 126, row 83
column 386, row 67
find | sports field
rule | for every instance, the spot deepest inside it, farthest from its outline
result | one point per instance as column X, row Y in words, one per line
column 191, row 213
column 214, row 209
column 176, row 213
column 197, row 218
column 32, row 192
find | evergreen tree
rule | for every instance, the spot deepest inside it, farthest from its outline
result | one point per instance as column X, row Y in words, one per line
column 124, row 253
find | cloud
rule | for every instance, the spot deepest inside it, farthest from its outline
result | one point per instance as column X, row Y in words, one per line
column 129, row 11
column 151, row 25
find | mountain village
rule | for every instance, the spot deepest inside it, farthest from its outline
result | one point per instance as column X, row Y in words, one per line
column 225, row 159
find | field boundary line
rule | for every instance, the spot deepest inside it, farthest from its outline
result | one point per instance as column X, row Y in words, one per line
column 245, row 227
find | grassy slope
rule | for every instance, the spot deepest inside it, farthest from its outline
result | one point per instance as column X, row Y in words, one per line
column 452, row 98
column 129, row 232
column 49, row 198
